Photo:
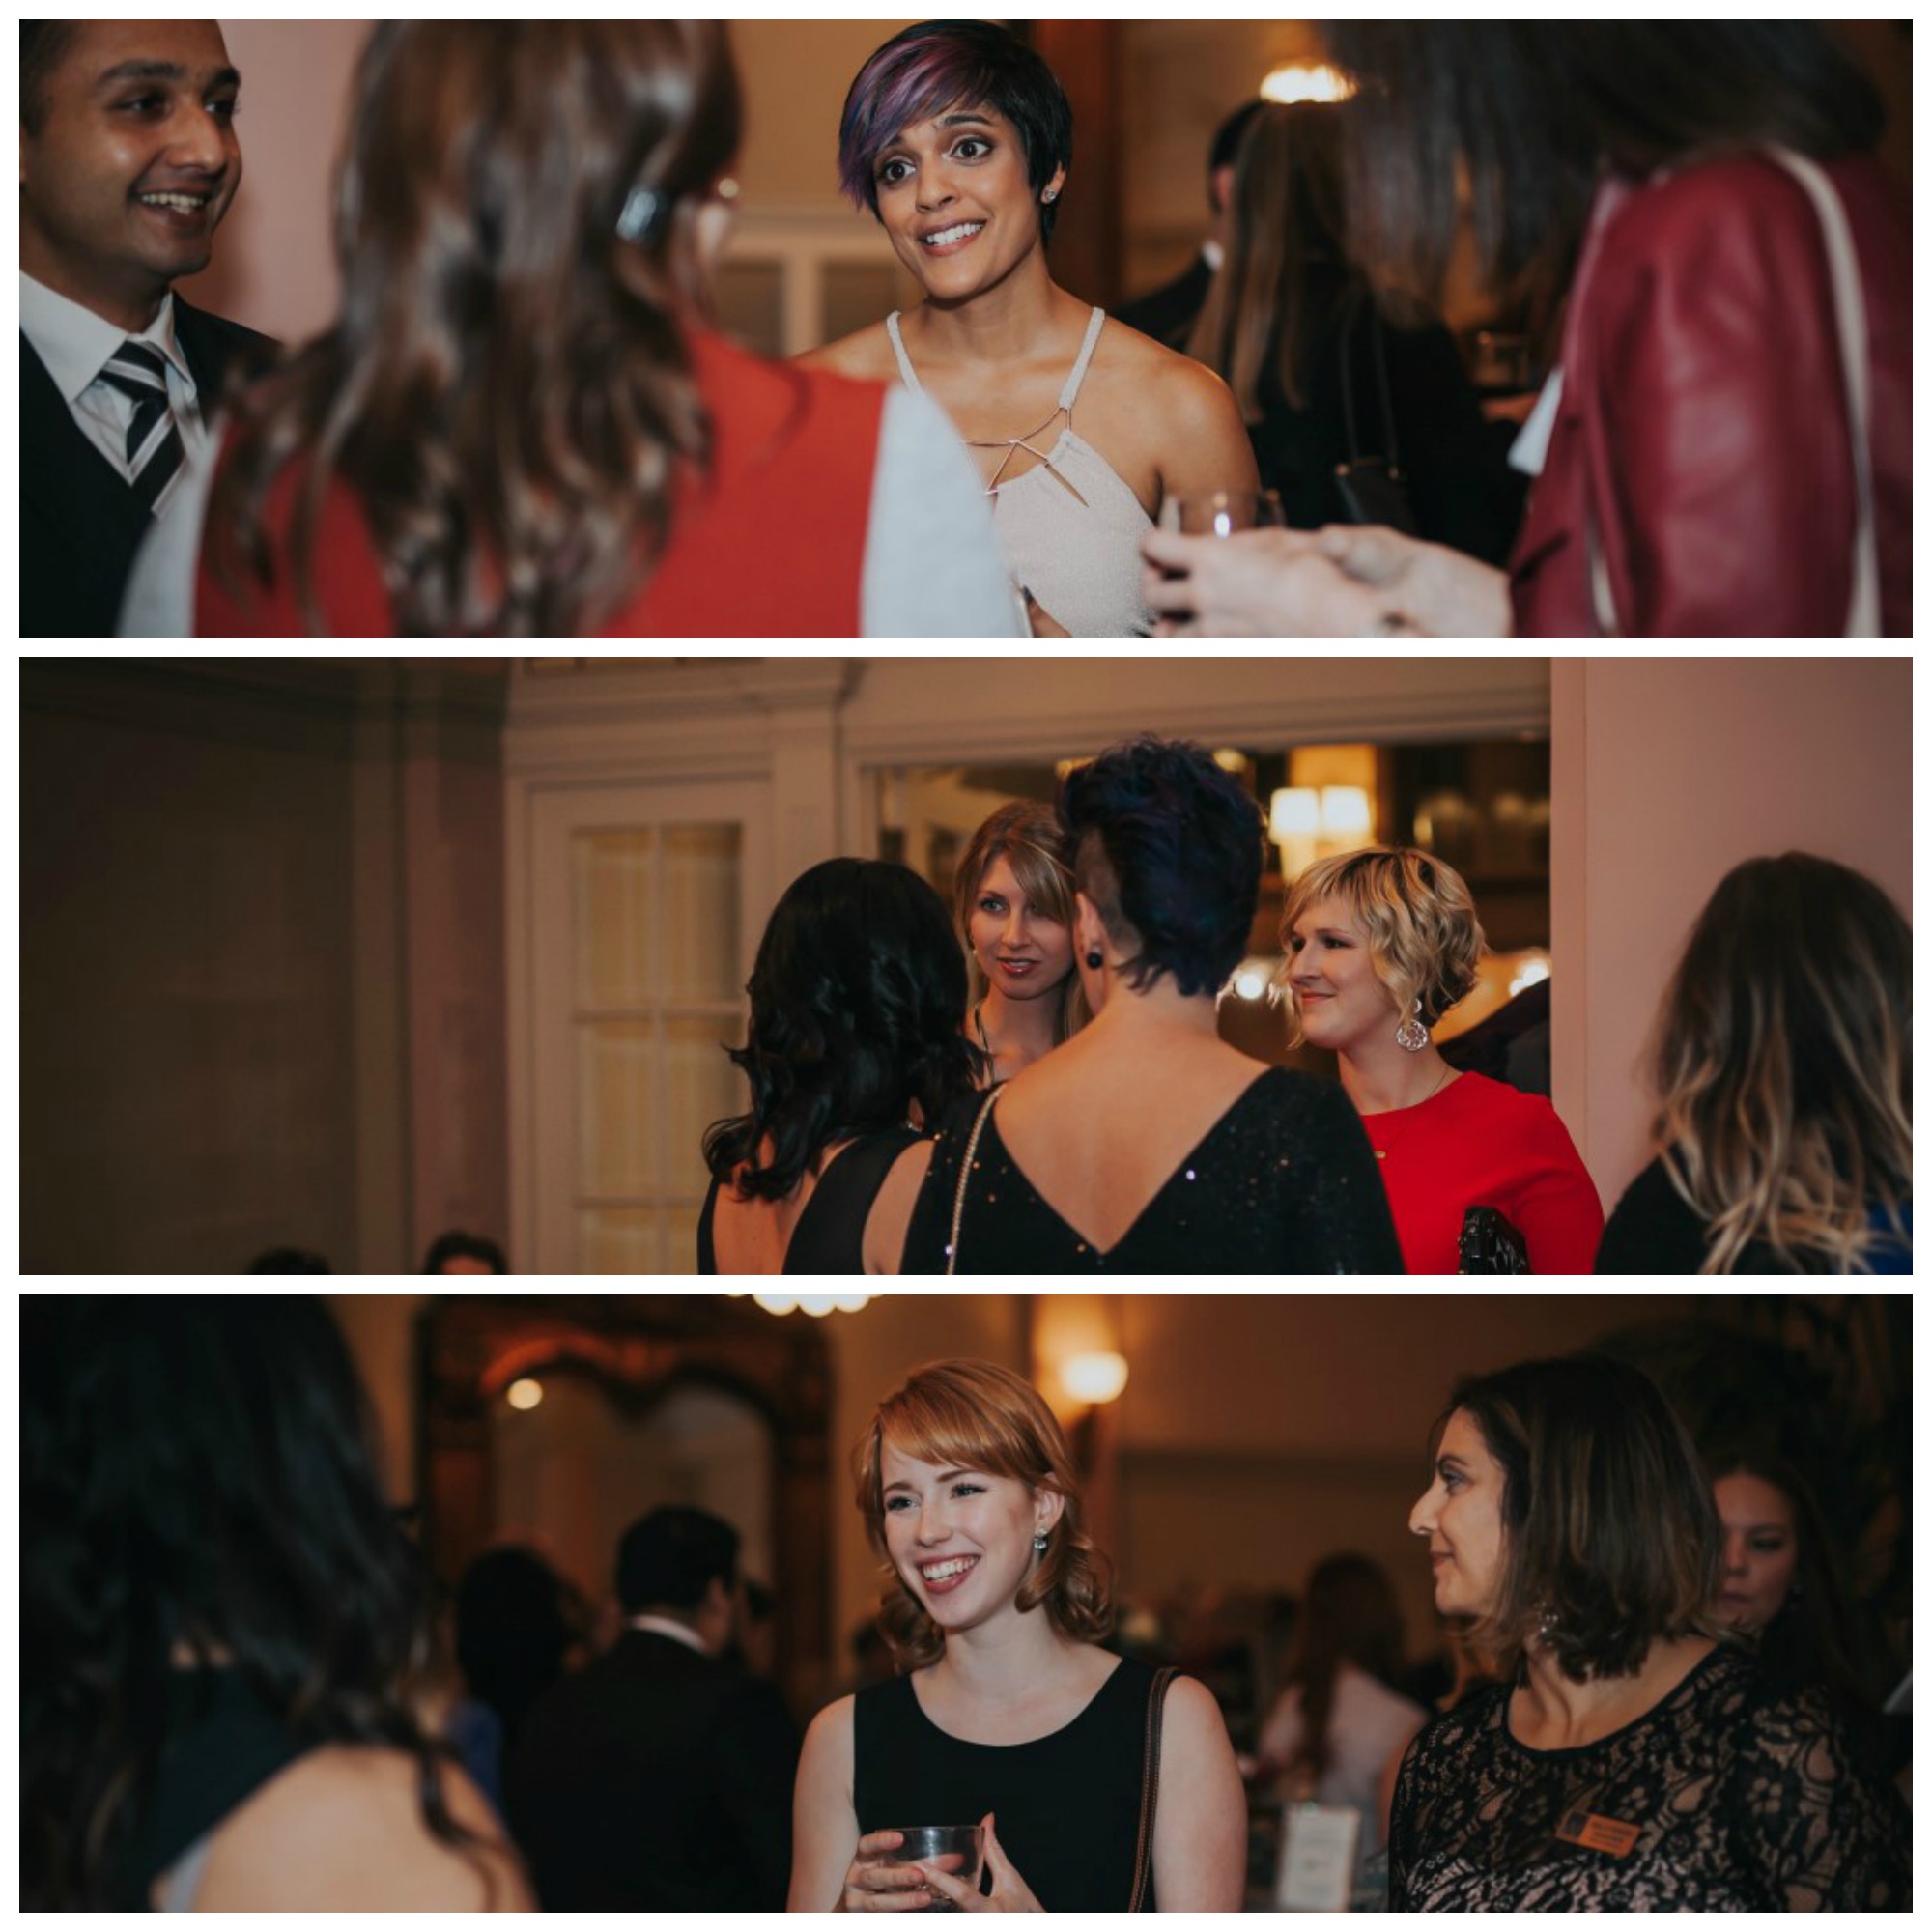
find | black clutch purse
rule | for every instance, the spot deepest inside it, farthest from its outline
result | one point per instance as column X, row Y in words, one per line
column 1372, row 488
column 1492, row 1244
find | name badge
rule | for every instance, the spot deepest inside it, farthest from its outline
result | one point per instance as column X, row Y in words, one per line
column 1599, row 1834
column 1317, row 1872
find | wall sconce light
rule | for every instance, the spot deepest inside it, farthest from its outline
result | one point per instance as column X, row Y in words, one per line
column 1308, row 823
column 1095, row 1379
column 525, row 1393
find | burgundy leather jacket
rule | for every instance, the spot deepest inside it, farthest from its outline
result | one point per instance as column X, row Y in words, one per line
column 1703, row 423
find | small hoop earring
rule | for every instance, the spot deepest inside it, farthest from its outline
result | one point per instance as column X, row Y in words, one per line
column 1411, row 1036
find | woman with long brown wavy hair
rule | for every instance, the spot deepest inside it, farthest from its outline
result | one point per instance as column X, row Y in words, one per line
column 1783, row 1072
column 1013, row 900
column 1008, row 1713
column 522, row 424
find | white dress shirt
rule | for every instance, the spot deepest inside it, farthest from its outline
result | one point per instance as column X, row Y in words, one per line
column 669, row 1626
column 75, row 345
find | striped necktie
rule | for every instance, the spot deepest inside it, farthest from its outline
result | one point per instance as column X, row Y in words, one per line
column 154, row 437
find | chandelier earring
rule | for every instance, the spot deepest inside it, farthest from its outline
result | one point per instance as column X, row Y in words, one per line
column 1411, row 1036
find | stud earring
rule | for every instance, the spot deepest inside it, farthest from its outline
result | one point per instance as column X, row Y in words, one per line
column 1040, row 1543
column 1095, row 959
column 1411, row 1036
column 1052, row 194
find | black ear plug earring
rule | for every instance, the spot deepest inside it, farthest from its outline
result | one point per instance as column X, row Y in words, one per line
column 1096, row 960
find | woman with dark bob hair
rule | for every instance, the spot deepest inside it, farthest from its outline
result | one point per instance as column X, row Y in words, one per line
column 1783, row 1074
column 1692, row 214
column 1146, row 1145
column 1628, row 1760
column 1007, row 1712
column 1382, row 944
column 229, row 1696
column 525, row 421
column 858, row 1006
column 957, row 138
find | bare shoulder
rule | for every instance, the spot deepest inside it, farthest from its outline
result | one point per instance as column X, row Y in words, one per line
column 342, row 1830
column 1192, row 1715
column 828, row 1737
column 866, row 356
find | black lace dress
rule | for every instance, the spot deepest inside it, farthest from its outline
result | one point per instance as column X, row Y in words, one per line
column 1729, row 1796
column 1285, row 1182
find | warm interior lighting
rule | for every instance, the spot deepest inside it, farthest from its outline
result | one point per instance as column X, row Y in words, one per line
column 1295, row 812
column 1535, row 969
column 1094, row 1378
column 807, row 1305
column 524, row 1394
column 1311, row 822
column 1307, row 80
column 1346, row 812
column 1252, row 978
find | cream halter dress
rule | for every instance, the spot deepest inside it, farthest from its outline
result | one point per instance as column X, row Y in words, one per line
column 1070, row 529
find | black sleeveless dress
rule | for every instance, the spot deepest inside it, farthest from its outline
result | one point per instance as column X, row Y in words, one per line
column 1066, row 1808
column 830, row 1237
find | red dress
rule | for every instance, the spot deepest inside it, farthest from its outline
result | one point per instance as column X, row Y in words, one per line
column 772, row 543
column 1480, row 1144
column 1703, row 422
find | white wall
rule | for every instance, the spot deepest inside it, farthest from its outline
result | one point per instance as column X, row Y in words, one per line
column 1667, row 772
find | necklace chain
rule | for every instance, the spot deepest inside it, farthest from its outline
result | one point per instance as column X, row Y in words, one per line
column 1448, row 1073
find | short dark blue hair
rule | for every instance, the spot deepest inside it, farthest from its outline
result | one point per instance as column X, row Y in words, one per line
column 858, row 1013
column 940, row 64
column 1169, row 844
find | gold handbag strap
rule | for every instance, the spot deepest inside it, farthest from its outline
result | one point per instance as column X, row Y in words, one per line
column 1149, row 1789
column 965, row 1173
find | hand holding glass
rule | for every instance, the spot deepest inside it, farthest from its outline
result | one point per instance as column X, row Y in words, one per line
column 1221, row 513
column 953, row 1848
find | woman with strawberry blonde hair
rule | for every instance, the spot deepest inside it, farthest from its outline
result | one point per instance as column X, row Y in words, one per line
column 1006, row 1713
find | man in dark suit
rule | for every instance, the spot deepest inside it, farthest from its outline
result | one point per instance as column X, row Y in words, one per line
column 1170, row 312
column 128, row 162
column 659, row 1779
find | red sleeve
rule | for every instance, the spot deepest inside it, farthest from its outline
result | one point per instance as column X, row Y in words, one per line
column 1717, row 373
column 1555, row 1206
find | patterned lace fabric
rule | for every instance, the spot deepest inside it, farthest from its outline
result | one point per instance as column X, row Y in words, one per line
column 1730, row 1795
column 1283, row 1183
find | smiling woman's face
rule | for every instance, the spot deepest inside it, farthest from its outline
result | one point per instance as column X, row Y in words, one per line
column 1462, row 1514
column 957, row 200
column 1018, row 947
column 960, row 1540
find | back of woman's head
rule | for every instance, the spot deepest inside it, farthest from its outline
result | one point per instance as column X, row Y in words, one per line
column 1783, row 1063
column 508, row 390
column 1348, row 1615
column 199, row 1486
column 858, row 998
column 1167, row 846
column 1516, row 116
column 1286, row 277
column 1611, row 1539
column 1027, row 836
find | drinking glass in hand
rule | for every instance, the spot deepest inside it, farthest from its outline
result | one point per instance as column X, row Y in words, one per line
column 952, row 1849
column 1222, row 513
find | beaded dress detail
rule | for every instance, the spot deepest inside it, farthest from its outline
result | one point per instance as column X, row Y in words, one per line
column 1070, row 529
column 1283, row 1182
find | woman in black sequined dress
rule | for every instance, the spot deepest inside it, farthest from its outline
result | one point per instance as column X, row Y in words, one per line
column 1629, row 1760
column 1144, row 1145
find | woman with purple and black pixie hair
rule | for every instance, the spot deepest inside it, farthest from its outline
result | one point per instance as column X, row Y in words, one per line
column 958, row 139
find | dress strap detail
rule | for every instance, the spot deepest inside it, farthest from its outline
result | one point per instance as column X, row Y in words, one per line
column 1079, row 375
column 906, row 370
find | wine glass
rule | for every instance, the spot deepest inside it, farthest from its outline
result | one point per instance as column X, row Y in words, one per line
column 953, row 1848
column 1222, row 513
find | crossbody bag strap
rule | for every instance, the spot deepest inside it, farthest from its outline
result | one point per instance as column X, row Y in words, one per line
column 965, row 1174
column 1848, row 298
column 1149, row 1789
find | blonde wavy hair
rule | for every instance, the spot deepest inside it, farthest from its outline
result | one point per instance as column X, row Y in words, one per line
column 977, row 1415
column 1028, row 836
column 1782, row 1063
column 1423, row 935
